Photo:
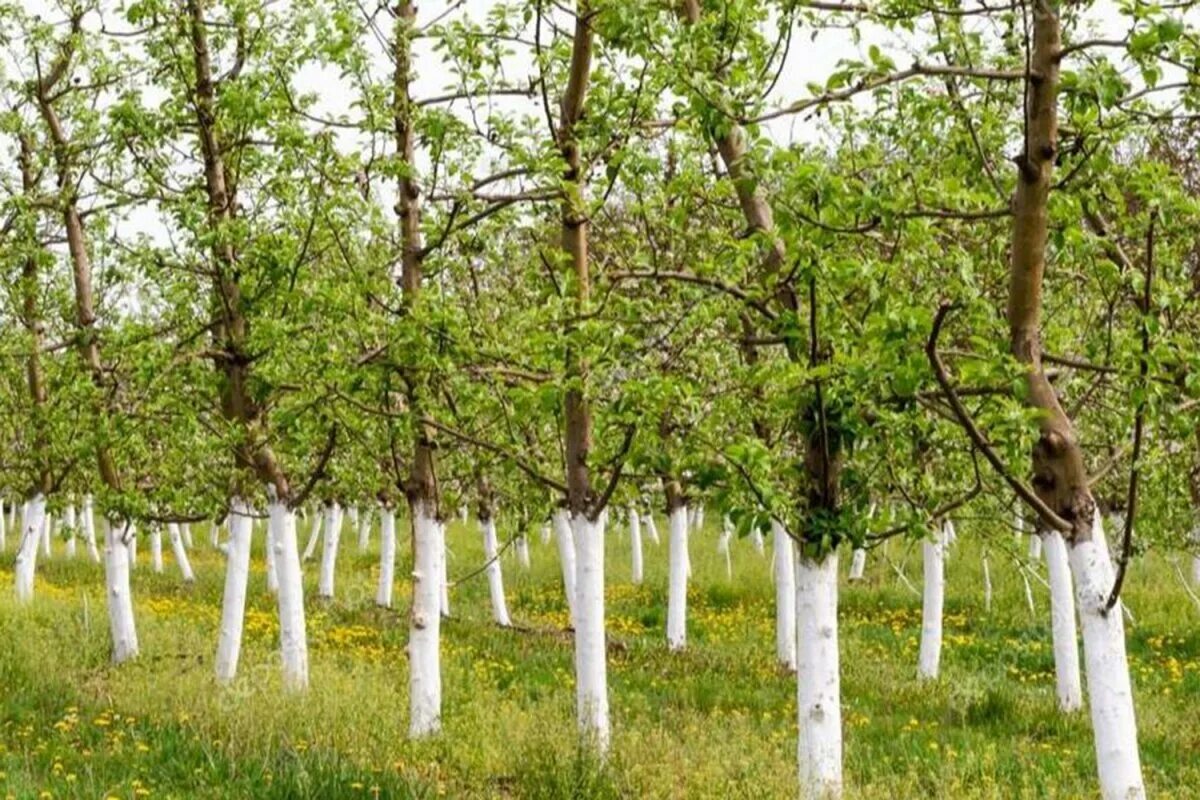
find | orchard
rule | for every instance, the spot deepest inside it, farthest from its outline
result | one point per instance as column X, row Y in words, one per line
column 612, row 398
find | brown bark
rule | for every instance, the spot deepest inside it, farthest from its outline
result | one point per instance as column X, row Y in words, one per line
column 81, row 265
column 574, row 243
column 1059, row 474
column 231, row 332
column 31, row 318
column 421, row 486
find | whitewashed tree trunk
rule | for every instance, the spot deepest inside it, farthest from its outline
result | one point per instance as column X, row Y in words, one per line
column 1035, row 547
column 293, row 637
column 47, row 528
column 4, row 526
column 545, row 533
column 858, row 563
column 364, row 530
column 464, row 513
column 180, row 552
column 522, row 547
column 424, row 656
column 387, row 556
column 314, row 534
column 818, row 678
column 495, row 575
column 233, row 604
column 1062, row 624
column 329, row 554
column 987, row 584
column 930, row 655
column 185, row 532
column 117, row 589
column 156, row 558
column 131, row 543
column 677, row 578
column 269, row 557
column 214, row 535
column 651, row 528
column 27, row 547
column 69, row 523
column 1110, row 694
column 784, row 571
column 635, row 547
column 89, row 529
column 591, row 656
column 445, row 567
column 564, row 537
column 757, row 541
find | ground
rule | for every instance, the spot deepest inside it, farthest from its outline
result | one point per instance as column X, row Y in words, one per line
column 716, row 721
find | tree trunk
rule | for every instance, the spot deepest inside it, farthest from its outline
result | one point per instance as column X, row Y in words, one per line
column 233, row 603
column 27, row 548
column 495, row 576
column 591, row 664
column 929, row 657
column 635, row 547
column 784, row 569
column 1062, row 624
column 565, row 540
column 677, row 579
column 425, row 674
column 293, row 637
column 387, row 556
column 329, row 554
column 120, row 598
column 181, row 556
column 818, row 679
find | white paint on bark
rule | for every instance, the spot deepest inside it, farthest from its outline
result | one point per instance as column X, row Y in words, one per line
column 329, row 554
column 495, row 575
column 784, row 572
column 293, row 636
column 677, row 578
column 818, row 678
column 27, row 547
column 424, row 632
column 233, row 603
column 387, row 556
column 1062, row 624
column 119, row 595
column 180, row 552
column 591, row 656
column 933, row 601
column 1110, row 693
column 565, row 539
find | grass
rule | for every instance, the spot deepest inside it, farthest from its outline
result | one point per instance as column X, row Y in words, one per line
column 714, row 722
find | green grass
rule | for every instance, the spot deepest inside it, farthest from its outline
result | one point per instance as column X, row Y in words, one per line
column 714, row 722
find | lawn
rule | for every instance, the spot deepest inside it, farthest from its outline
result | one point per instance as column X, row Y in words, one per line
column 716, row 721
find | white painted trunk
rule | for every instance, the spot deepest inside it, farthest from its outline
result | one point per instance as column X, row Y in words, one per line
column 273, row 570
column 329, row 554
column 1196, row 570
column 756, row 539
column 314, row 535
column 522, row 547
column 4, row 526
column 545, row 532
column 1035, row 547
column 818, row 679
column 424, row 657
column 784, row 572
column 677, row 578
column 699, row 518
column 293, row 637
column 724, row 545
column 495, row 575
column 131, row 543
column 364, row 530
column 27, row 547
column 635, row 547
column 47, row 528
column 930, row 655
column 180, row 552
column 233, row 604
column 185, row 531
column 463, row 513
column 445, row 570
column 1062, row 624
column 652, row 528
column 858, row 563
column 387, row 557
column 566, row 556
column 89, row 529
column 987, row 585
column 591, row 656
column 214, row 535
column 156, row 559
column 1028, row 594
column 1110, row 694
column 69, row 523
column 117, row 538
